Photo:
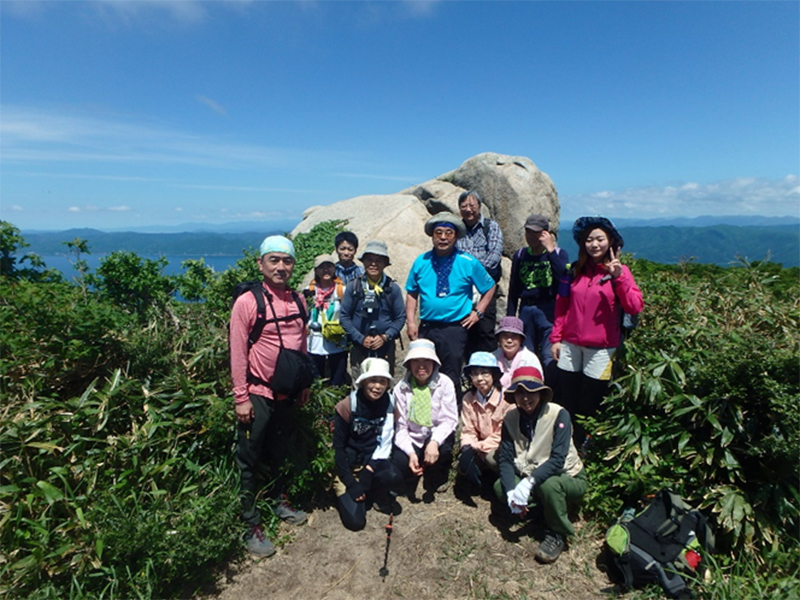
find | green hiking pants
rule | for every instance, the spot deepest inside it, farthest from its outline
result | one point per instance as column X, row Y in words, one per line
column 555, row 494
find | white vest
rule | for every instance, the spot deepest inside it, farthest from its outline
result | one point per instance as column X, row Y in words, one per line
column 532, row 454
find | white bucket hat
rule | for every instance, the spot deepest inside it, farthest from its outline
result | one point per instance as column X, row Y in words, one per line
column 422, row 348
column 374, row 367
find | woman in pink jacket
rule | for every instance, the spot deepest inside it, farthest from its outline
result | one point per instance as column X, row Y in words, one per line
column 587, row 327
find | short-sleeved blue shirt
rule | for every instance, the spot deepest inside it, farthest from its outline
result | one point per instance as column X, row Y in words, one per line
column 467, row 272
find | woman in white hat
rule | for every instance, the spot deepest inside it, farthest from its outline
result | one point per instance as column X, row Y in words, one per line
column 427, row 417
column 363, row 429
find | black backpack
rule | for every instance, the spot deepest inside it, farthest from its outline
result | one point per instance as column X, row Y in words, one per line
column 663, row 543
column 257, row 289
column 497, row 272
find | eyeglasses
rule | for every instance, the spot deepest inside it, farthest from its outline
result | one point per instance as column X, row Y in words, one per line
column 444, row 232
column 475, row 373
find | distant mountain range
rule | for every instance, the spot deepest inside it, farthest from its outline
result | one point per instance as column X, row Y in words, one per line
column 660, row 240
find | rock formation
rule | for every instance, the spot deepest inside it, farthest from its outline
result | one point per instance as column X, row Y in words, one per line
column 512, row 187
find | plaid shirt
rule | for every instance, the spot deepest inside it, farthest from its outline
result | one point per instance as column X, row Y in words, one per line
column 487, row 251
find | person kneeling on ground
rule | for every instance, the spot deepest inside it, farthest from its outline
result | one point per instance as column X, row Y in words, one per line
column 427, row 417
column 537, row 458
column 362, row 443
column 482, row 415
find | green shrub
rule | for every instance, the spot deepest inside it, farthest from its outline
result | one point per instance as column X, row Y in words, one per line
column 709, row 403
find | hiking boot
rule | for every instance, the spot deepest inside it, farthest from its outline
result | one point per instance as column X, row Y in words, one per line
column 286, row 512
column 551, row 548
column 258, row 543
column 389, row 508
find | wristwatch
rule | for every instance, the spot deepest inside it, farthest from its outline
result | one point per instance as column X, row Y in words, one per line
column 479, row 313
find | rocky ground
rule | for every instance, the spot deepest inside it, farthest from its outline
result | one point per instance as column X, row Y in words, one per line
column 452, row 547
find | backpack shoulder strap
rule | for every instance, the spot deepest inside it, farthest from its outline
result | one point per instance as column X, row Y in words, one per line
column 486, row 227
column 261, row 315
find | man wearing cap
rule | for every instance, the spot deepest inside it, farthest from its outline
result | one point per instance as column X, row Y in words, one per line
column 538, row 459
column 373, row 311
column 440, row 284
column 265, row 419
column 483, row 240
column 533, row 285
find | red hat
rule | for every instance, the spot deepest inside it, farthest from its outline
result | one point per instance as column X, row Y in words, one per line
column 532, row 380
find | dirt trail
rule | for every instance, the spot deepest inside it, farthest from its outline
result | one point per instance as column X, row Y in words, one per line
column 442, row 550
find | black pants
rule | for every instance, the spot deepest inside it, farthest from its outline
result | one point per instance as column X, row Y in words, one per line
column 581, row 396
column 450, row 340
column 434, row 475
column 336, row 362
column 386, row 483
column 261, row 451
column 480, row 337
column 358, row 354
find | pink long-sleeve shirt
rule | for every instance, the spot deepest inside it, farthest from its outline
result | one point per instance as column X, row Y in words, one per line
column 482, row 424
column 589, row 316
column 262, row 356
column 444, row 413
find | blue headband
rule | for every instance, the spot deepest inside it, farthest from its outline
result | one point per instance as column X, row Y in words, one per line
column 277, row 243
column 445, row 224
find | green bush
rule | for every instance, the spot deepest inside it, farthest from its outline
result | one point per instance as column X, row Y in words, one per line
column 709, row 403
column 116, row 430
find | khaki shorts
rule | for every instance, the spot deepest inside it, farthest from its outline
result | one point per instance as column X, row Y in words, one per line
column 595, row 363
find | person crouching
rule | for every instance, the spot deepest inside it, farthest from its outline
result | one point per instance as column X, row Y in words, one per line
column 538, row 460
column 363, row 430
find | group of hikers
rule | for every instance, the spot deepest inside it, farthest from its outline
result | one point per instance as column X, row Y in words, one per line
column 499, row 393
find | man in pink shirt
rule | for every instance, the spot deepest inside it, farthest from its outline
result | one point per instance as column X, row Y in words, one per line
column 264, row 418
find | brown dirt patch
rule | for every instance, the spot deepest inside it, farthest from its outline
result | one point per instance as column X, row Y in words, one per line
column 446, row 549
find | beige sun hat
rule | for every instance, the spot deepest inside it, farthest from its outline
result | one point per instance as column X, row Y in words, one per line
column 378, row 248
column 422, row 348
column 450, row 219
column 373, row 367
column 322, row 259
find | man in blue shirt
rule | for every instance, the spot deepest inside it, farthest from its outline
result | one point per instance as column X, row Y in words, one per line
column 440, row 284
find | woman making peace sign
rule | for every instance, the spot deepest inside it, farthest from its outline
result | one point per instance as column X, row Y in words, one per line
column 586, row 330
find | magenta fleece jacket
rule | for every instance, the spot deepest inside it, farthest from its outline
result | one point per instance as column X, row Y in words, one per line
column 590, row 315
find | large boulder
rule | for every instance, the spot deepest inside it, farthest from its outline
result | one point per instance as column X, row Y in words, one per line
column 397, row 219
column 512, row 187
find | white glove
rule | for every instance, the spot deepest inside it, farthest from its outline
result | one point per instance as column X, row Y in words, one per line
column 520, row 494
column 515, row 509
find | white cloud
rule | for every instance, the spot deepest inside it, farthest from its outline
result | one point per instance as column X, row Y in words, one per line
column 91, row 208
column 15, row 208
column 31, row 135
column 213, row 105
column 739, row 196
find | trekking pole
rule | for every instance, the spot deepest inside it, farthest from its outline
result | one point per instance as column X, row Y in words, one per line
column 384, row 570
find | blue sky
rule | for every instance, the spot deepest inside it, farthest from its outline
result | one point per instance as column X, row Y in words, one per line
column 121, row 113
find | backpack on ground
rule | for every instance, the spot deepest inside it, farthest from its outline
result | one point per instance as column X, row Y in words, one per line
column 662, row 544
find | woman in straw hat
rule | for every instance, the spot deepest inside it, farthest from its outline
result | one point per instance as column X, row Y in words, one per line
column 538, row 460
